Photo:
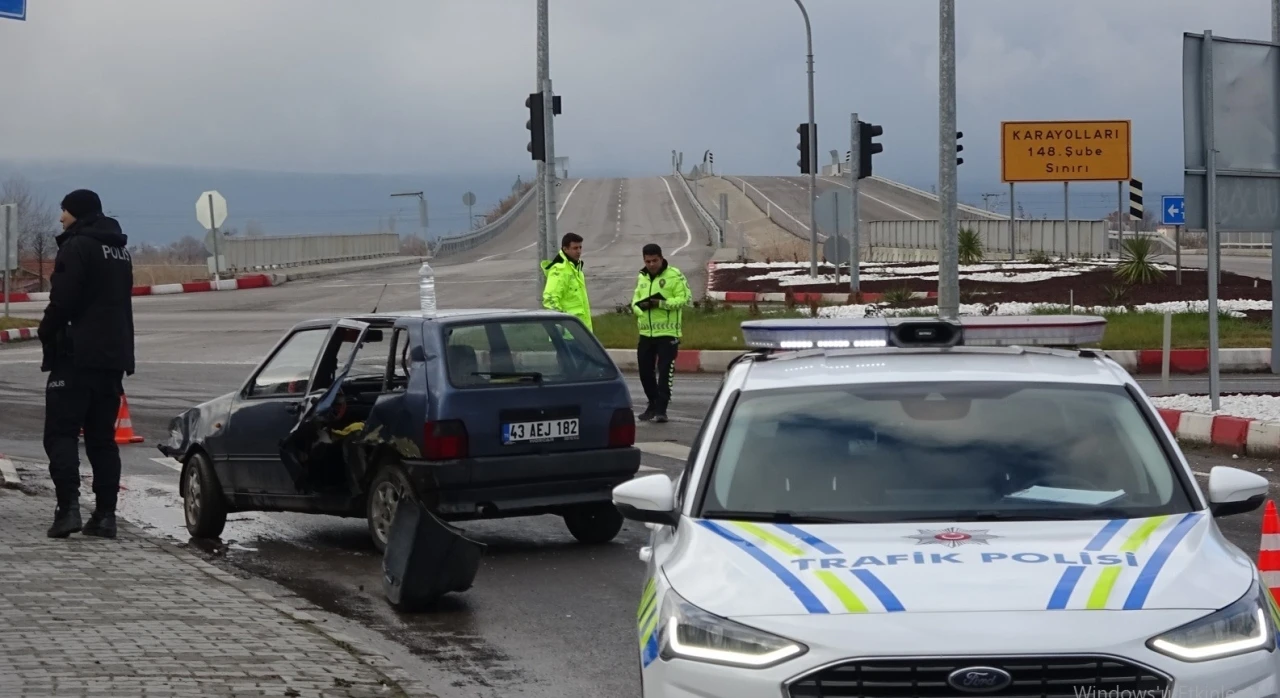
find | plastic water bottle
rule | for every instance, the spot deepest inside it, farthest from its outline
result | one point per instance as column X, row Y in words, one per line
column 427, row 290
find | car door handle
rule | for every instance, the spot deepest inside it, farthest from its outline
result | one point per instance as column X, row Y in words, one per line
column 294, row 408
column 646, row 553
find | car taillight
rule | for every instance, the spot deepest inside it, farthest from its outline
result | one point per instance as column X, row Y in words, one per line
column 622, row 428
column 444, row 440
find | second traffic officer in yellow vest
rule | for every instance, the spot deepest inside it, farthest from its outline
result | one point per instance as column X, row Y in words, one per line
column 566, row 289
column 659, row 302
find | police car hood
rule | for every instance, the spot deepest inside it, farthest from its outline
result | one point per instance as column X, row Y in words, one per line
column 737, row 569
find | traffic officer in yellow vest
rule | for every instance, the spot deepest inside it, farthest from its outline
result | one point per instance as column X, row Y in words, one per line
column 566, row 289
column 659, row 301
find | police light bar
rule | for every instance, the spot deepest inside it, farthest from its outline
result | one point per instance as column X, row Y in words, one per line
column 921, row 332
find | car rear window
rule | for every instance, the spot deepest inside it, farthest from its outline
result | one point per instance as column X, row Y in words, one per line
column 943, row 451
column 524, row 352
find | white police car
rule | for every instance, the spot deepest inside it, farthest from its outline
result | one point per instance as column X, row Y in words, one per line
column 915, row 508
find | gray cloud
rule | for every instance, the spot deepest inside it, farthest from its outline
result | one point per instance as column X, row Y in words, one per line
column 408, row 85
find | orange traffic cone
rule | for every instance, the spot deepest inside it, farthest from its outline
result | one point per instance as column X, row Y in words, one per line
column 1269, row 550
column 124, row 426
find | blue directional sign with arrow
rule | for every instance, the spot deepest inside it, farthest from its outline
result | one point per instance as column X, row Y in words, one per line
column 1173, row 210
column 13, row 9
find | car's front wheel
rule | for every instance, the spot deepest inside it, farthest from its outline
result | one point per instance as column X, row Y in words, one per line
column 594, row 524
column 389, row 486
column 202, row 502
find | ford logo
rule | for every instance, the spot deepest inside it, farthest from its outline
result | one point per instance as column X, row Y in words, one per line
column 979, row 679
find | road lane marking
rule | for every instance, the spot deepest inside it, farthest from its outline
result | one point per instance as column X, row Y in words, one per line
column 168, row 463
column 878, row 201
column 688, row 236
column 666, row 449
column 558, row 214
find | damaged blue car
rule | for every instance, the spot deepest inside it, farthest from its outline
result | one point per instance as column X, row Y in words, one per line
column 477, row 414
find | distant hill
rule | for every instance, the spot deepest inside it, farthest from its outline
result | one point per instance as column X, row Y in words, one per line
column 157, row 204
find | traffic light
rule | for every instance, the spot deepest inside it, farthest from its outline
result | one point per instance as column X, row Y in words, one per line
column 866, row 148
column 537, row 127
column 806, row 167
column 959, row 160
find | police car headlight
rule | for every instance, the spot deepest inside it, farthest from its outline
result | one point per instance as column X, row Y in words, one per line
column 1244, row 626
column 688, row 632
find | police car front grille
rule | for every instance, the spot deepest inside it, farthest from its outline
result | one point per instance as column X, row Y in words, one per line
column 1033, row 677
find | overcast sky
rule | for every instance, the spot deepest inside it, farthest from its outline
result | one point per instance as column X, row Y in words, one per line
column 438, row 85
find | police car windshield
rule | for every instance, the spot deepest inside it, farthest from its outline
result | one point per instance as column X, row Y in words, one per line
column 943, row 451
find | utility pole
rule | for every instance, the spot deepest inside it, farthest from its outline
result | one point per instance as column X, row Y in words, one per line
column 813, row 154
column 948, row 245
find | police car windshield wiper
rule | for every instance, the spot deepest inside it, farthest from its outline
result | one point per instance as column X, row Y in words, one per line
column 1081, row 514
column 775, row 517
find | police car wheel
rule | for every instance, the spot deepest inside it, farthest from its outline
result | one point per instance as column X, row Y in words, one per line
column 594, row 524
column 202, row 502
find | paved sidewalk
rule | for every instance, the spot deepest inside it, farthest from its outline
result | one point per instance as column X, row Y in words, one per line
column 136, row 616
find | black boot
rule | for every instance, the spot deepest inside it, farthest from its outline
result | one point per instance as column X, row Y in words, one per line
column 100, row 524
column 66, row 520
column 646, row 415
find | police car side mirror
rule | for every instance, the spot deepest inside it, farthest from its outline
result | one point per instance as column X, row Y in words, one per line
column 1233, row 491
column 649, row 499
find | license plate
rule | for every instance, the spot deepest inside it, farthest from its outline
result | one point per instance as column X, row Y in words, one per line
column 549, row 430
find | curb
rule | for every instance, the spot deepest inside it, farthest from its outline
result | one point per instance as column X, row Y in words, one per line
column 8, row 474
column 1252, row 437
column 802, row 297
column 20, row 334
column 1141, row 362
column 238, row 284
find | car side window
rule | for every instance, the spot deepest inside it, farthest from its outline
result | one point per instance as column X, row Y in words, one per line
column 289, row 370
column 398, row 362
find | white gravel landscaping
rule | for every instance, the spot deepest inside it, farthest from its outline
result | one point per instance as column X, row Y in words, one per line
column 793, row 274
column 1229, row 307
column 1261, row 407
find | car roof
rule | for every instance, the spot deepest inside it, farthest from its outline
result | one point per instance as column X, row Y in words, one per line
column 389, row 317
column 986, row 364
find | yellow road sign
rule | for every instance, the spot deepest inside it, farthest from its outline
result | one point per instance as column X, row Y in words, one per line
column 1065, row 151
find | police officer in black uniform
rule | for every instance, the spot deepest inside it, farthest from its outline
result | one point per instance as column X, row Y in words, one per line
column 87, row 338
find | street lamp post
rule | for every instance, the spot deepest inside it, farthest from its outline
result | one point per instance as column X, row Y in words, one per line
column 813, row 152
column 422, row 214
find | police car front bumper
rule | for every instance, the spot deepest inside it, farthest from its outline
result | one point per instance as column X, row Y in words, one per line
column 987, row 638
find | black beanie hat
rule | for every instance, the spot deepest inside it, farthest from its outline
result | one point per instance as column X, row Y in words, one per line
column 82, row 203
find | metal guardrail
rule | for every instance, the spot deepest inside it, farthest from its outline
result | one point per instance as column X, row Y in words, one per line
column 966, row 211
column 1079, row 239
column 714, row 231
column 478, row 237
column 775, row 213
column 249, row 253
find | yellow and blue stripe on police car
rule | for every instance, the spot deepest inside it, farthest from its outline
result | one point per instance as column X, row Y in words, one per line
column 647, row 620
column 1126, row 537
column 831, row 589
column 1118, row 568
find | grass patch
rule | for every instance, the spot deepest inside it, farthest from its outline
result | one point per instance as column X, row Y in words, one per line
column 14, row 323
column 703, row 329
column 721, row 329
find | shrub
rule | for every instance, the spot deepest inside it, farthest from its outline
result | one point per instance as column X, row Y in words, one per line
column 1039, row 257
column 896, row 297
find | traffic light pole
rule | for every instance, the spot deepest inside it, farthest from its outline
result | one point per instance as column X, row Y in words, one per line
column 855, row 173
column 544, row 67
column 948, row 243
column 548, row 120
column 813, row 154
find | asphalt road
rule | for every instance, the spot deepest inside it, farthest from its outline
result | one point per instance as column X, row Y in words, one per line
column 1258, row 267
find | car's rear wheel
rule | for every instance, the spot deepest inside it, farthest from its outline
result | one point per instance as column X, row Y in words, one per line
column 202, row 502
column 594, row 524
column 389, row 486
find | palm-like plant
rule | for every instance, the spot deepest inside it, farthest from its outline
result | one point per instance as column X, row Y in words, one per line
column 1137, row 262
column 970, row 246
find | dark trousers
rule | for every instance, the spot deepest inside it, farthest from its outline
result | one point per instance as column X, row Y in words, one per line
column 78, row 399
column 657, row 357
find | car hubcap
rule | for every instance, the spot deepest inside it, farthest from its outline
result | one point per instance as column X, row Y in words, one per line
column 385, row 499
column 193, row 494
